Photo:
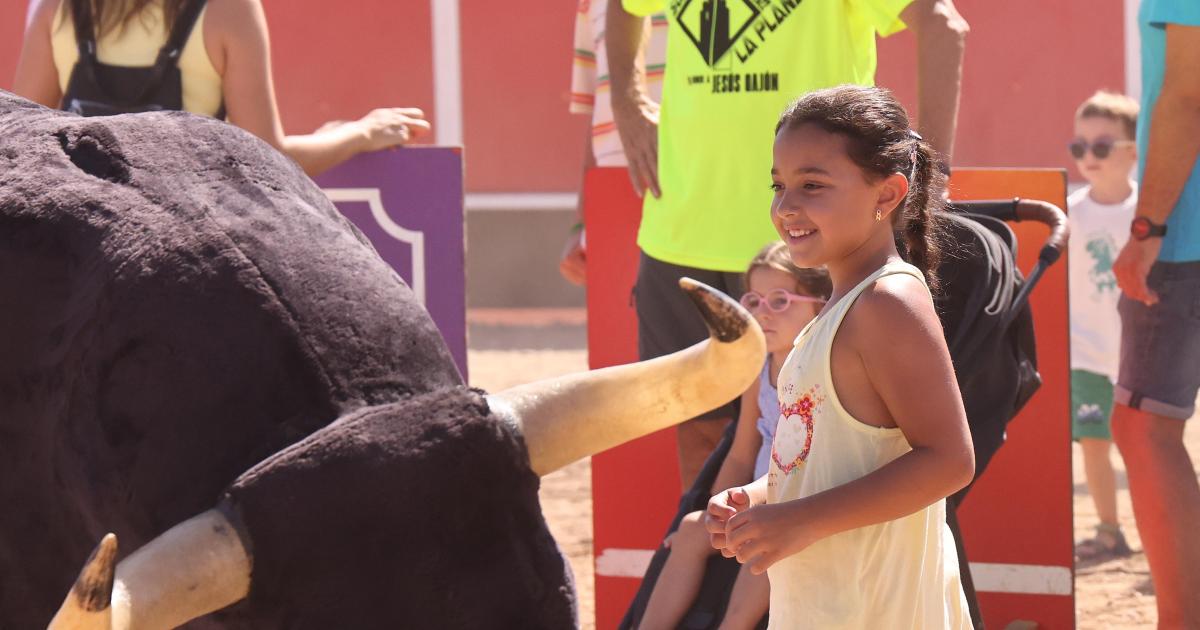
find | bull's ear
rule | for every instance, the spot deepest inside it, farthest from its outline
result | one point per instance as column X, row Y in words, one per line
column 89, row 604
column 575, row 416
column 199, row 566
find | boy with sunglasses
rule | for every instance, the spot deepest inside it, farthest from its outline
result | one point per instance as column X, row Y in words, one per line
column 1100, row 212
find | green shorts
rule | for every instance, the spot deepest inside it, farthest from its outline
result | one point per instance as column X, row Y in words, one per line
column 1091, row 405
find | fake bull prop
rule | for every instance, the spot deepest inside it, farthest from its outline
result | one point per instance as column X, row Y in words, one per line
column 199, row 354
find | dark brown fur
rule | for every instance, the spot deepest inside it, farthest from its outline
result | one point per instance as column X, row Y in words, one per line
column 180, row 304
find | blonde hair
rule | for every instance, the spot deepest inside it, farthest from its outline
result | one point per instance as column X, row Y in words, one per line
column 1113, row 106
column 810, row 282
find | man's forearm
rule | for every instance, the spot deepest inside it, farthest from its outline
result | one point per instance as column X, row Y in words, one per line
column 1171, row 155
column 941, row 41
column 624, row 37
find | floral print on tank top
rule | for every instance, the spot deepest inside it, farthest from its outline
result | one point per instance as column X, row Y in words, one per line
column 794, row 435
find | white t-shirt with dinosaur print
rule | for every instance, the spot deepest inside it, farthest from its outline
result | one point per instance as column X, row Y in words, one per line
column 1098, row 232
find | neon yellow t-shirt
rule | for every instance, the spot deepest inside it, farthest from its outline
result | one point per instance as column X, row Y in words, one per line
column 732, row 67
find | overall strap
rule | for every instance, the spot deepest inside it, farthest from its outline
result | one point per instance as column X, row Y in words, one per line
column 168, row 55
column 85, row 40
column 185, row 22
column 85, row 30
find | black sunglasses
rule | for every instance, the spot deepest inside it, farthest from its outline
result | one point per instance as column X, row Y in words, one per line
column 1100, row 148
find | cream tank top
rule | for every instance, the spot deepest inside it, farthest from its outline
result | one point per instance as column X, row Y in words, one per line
column 137, row 44
column 897, row 575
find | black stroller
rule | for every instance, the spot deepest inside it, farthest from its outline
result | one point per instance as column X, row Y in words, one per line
column 985, row 312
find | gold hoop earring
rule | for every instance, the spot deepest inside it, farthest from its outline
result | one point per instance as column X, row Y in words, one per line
column 878, row 214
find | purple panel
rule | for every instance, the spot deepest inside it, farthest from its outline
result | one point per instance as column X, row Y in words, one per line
column 409, row 202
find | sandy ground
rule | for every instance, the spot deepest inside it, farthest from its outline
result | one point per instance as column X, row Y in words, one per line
column 512, row 347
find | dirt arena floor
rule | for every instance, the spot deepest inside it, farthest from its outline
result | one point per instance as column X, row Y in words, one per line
column 512, row 347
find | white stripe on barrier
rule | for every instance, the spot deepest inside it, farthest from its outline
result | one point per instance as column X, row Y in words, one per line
column 1029, row 579
column 521, row 201
column 989, row 577
column 623, row 562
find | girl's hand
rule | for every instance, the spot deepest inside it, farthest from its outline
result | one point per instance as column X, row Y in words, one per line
column 721, row 508
column 392, row 126
column 765, row 534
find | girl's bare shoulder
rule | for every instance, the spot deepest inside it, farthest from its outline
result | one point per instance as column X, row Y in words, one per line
column 228, row 17
column 895, row 311
column 234, row 28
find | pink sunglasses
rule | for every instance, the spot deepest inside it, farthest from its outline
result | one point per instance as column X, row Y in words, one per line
column 778, row 300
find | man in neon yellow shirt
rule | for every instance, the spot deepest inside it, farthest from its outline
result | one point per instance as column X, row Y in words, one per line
column 732, row 66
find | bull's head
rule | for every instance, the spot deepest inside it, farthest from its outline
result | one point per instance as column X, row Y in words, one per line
column 207, row 563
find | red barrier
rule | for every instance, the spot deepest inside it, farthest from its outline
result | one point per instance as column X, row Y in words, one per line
column 1017, row 521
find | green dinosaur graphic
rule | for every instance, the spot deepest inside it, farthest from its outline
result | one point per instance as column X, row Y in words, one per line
column 1103, row 252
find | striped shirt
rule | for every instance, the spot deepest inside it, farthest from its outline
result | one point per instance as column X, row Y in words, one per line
column 590, row 87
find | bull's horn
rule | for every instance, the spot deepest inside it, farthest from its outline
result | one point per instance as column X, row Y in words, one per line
column 87, row 606
column 197, row 567
column 575, row 416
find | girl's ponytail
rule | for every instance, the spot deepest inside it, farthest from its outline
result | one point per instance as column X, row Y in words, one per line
column 919, row 223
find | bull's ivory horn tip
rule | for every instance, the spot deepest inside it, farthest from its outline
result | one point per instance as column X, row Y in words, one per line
column 726, row 320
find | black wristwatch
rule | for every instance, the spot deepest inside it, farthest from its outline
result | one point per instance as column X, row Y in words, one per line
column 1143, row 228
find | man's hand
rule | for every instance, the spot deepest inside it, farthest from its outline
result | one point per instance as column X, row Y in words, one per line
column 765, row 534
column 573, row 265
column 637, row 124
column 635, row 113
column 391, row 126
column 1133, row 266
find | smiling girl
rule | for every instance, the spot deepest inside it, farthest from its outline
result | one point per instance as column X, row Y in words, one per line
column 850, row 520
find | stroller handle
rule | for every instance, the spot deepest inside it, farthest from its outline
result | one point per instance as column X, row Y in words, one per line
column 1053, row 217
column 1018, row 209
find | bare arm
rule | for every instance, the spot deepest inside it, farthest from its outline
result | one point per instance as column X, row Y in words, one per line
column 941, row 40
column 333, row 144
column 634, row 112
column 891, row 329
column 250, row 98
column 738, row 467
column 1174, row 145
column 1174, row 142
column 37, row 78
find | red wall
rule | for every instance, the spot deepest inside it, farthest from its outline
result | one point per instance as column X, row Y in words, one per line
column 1029, row 63
column 335, row 63
column 12, row 26
column 516, row 87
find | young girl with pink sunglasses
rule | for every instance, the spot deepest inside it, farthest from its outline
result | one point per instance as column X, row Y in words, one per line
column 783, row 298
